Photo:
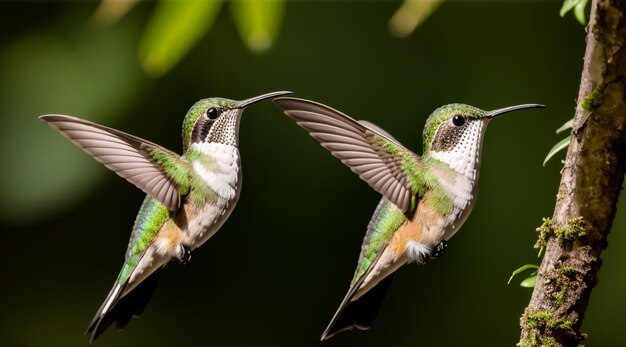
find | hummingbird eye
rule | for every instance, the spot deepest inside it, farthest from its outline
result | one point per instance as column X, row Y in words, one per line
column 458, row 120
column 212, row 113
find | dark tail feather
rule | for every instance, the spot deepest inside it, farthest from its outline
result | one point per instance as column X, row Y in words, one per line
column 360, row 313
column 122, row 310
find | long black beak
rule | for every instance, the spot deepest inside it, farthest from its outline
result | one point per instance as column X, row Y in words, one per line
column 500, row 111
column 248, row 102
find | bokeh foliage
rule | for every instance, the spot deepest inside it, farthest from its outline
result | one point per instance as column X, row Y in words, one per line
column 277, row 270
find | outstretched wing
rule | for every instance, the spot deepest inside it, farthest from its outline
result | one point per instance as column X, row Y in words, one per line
column 140, row 162
column 376, row 157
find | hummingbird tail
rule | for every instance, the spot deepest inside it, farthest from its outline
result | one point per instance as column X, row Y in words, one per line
column 360, row 313
column 119, row 310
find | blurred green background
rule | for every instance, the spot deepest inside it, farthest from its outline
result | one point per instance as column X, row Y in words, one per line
column 277, row 270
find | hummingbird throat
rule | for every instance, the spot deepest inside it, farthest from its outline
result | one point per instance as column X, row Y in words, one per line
column 460, row 148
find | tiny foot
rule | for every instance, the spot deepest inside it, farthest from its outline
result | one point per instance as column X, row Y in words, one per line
column 183, row 254
column 439, row 250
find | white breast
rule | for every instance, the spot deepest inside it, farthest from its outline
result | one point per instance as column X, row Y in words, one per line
column 464, row 190
column 464, row 159
column 222, row 175
column 224, row 178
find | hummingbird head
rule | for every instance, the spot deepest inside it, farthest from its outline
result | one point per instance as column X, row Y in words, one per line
column 454, row 133
column 217, row 120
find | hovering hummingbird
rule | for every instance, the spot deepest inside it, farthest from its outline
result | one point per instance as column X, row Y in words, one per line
column 188, row 199
column 425, row 199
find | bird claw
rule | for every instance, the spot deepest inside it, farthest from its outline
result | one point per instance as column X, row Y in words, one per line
column 183, row 254
column 439, row 250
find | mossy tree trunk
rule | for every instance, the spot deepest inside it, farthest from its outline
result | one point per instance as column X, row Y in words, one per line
column 590, row 185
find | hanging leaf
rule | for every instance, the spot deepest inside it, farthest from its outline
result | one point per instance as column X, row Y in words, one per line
column 565, row 126
column 578, row 6
column 410, row 15
column 173, row 29
column 258, row 22
column 522, row 269
column 568, row 5
column 579, row 12
column 528, row 282
column 557, row 148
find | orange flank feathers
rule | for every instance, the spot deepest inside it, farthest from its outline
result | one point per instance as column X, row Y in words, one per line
column 421, row 228
column 168, row 238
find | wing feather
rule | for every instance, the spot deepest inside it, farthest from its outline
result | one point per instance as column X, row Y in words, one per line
column 360, row 161
column 126, row 155
column 365, row 148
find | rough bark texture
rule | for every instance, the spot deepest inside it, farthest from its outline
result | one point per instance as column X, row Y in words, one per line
column 590, row 185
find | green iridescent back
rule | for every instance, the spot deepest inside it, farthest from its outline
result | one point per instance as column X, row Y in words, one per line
column 386, row 220
column 151, row 217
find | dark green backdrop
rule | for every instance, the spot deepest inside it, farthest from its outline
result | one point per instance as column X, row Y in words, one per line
column 276, row 271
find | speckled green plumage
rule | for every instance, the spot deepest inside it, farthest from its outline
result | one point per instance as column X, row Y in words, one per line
column 408, row 165
column 152, row 215
column 441, row 201
column 421, row 177
column 204, row 159
column 386, row 220
column 200, row 192
column 174, row 168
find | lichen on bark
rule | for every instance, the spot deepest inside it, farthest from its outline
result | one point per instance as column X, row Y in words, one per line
column 591, row 181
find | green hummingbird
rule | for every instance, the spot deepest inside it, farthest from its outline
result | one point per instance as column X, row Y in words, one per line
column 425, row 200
column 188, row 199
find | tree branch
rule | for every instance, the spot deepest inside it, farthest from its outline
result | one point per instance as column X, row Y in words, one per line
column 590, row 184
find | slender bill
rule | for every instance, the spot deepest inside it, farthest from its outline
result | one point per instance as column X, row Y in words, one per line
column 500, row 111
column 248, row 102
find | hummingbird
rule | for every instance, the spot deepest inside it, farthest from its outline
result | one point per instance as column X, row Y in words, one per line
column 425, row 199
column 188, row 198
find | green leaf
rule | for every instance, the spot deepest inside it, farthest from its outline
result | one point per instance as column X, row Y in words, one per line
column 410, row 15
column 565, row 126
column 522, row 269
column 579, row 12
column 540, row 251
column 258, row 22
column 529, row 282
column 568, row 5
column 557, row 148
column 173, row 29
column 579, row 9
